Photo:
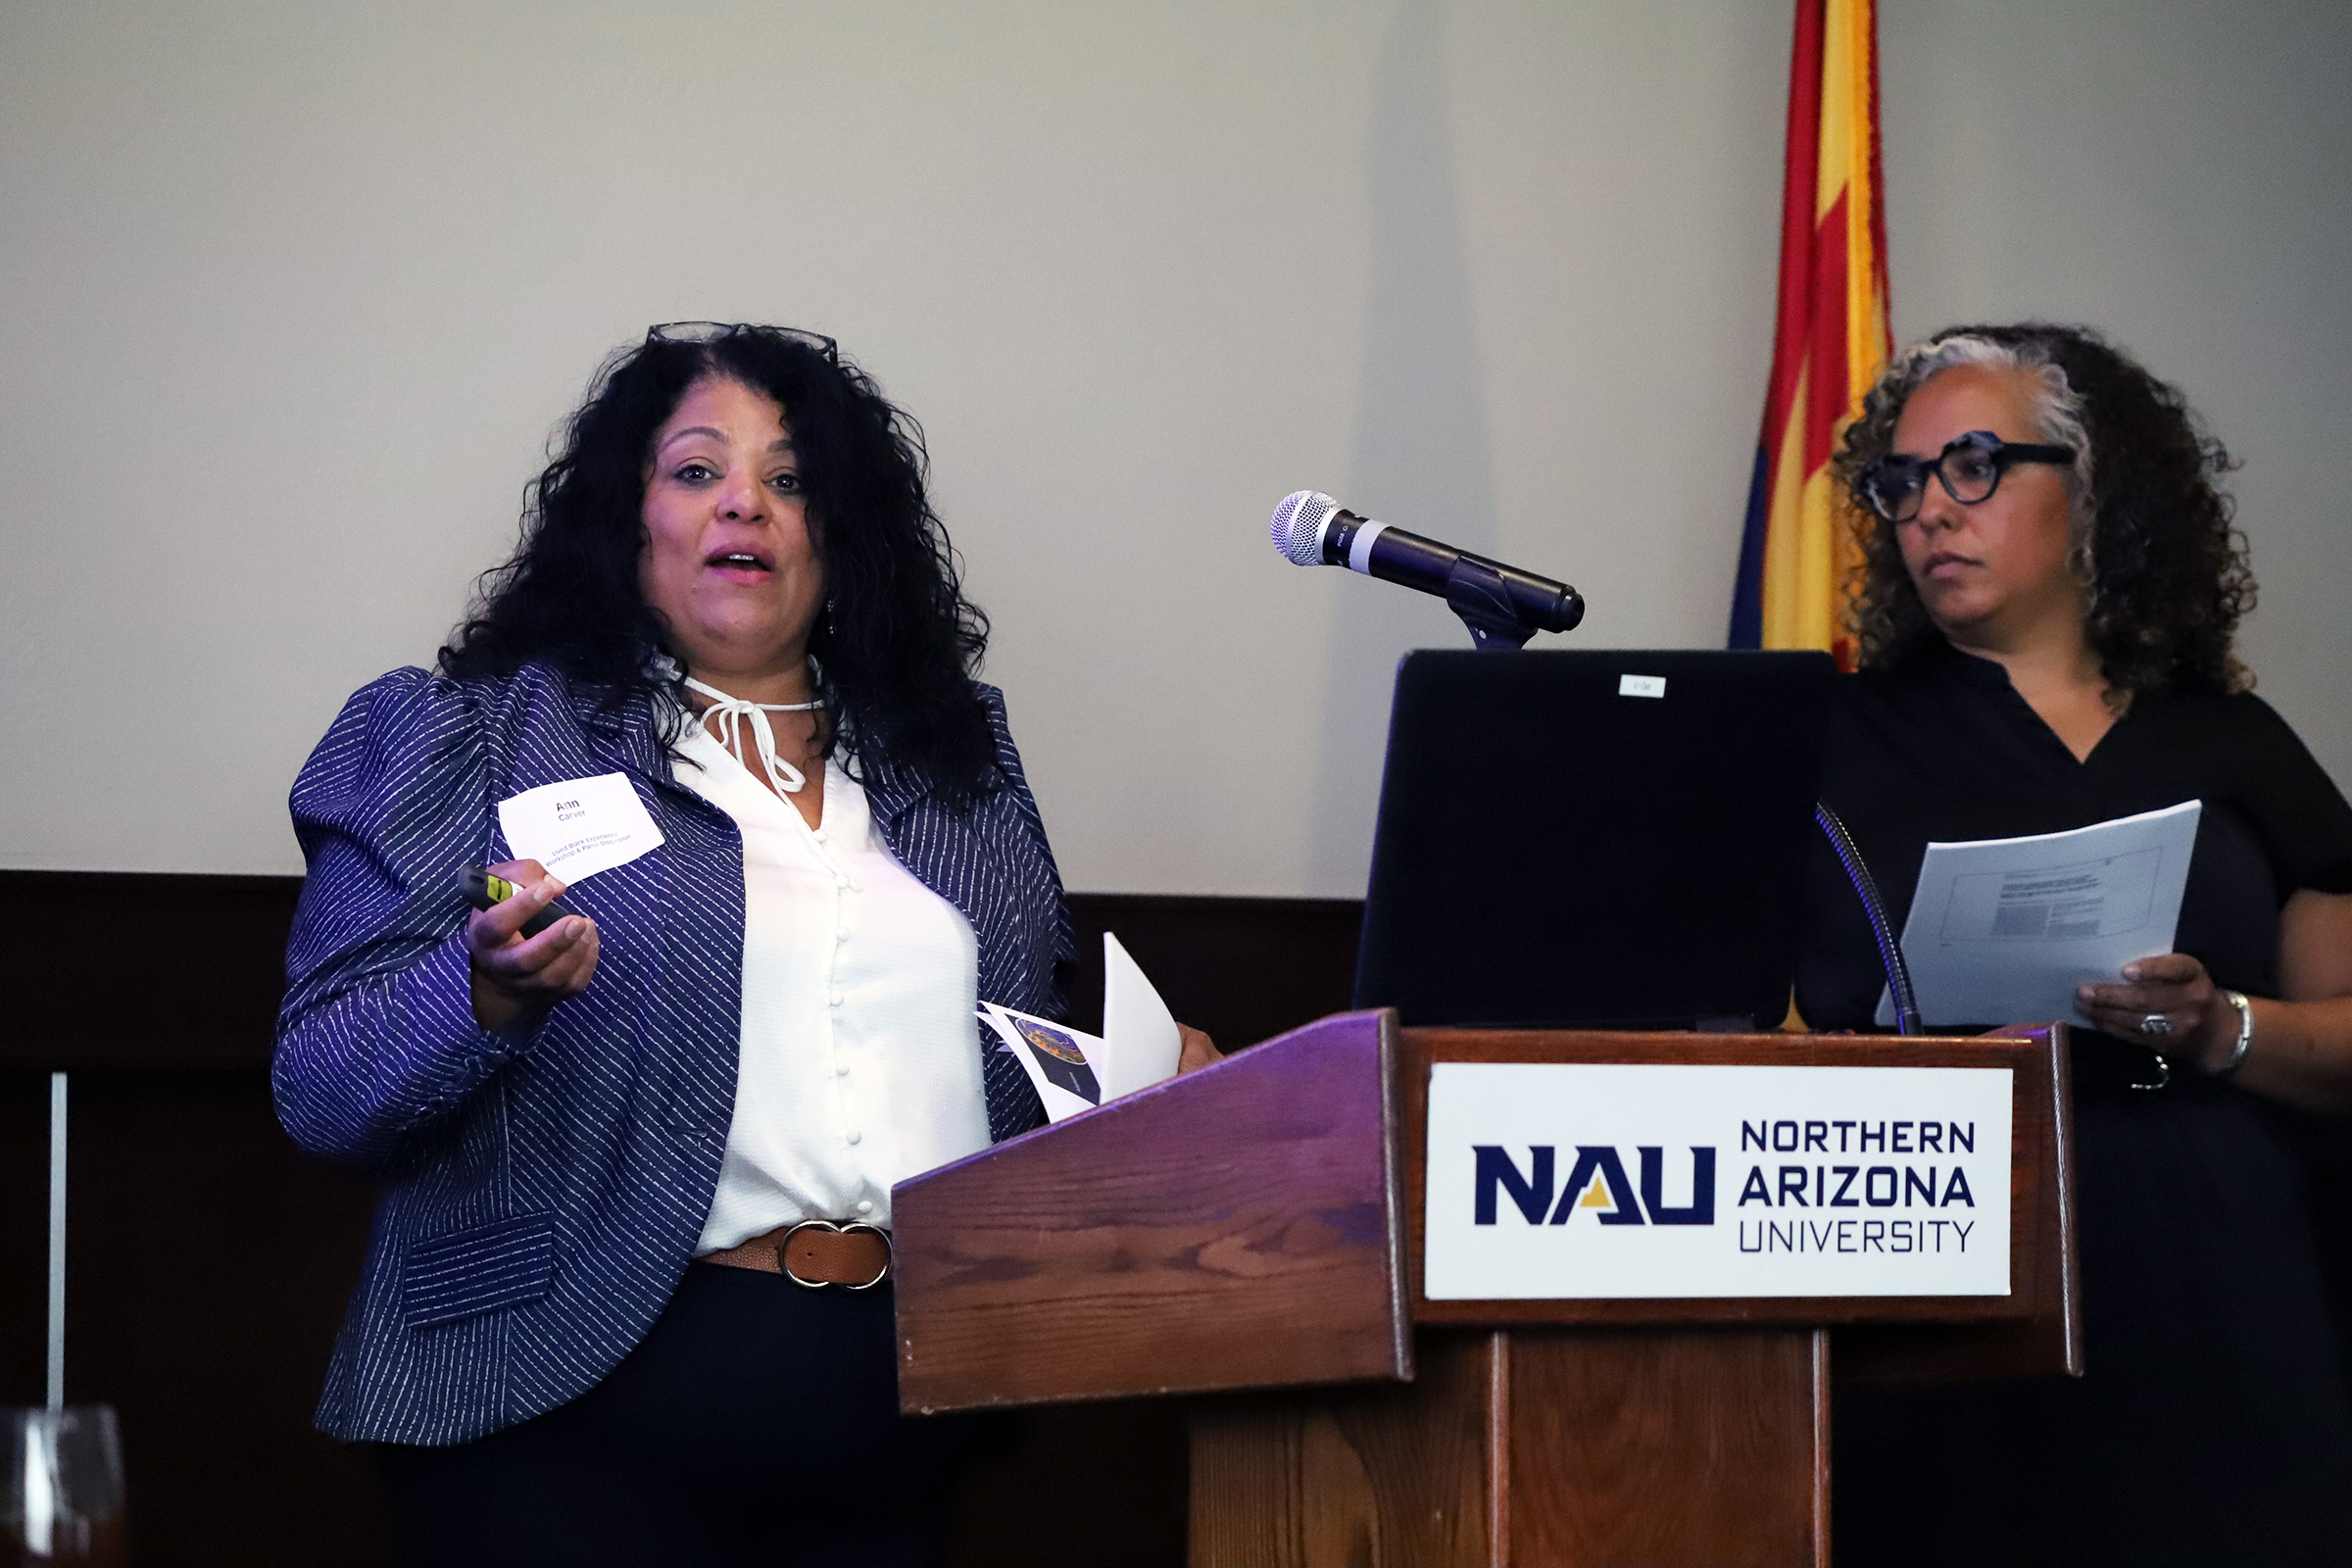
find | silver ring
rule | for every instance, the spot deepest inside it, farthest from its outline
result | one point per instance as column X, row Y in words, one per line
column 2156, row 1023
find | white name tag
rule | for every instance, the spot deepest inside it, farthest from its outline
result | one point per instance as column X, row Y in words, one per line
column 1592, row 1181
column 578, row 827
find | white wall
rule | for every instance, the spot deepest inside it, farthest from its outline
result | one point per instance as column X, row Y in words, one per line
column 290, row 296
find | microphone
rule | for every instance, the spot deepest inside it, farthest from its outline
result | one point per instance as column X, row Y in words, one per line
column 1502, row 605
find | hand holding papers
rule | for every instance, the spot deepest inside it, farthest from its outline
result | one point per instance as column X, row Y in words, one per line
column 1074, row 1072
column 2003, row 930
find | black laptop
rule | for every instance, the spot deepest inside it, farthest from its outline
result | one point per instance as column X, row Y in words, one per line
column 1594, row 840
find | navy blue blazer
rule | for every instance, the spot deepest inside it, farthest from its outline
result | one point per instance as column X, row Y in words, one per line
column 545, row 1185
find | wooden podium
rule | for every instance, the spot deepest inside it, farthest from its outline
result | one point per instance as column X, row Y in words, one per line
column 1251, row 1236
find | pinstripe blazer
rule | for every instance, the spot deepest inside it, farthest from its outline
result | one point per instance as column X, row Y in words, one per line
column 545, row 1185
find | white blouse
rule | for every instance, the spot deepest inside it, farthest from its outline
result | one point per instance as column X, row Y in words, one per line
column 858, row 1059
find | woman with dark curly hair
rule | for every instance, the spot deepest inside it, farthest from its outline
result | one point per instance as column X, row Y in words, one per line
column 2052, row 585
column 627, row 1296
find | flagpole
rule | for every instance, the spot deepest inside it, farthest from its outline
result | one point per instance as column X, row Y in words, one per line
column 57, row 1240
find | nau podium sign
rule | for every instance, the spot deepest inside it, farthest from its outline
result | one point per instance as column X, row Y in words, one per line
column 1605, row 1181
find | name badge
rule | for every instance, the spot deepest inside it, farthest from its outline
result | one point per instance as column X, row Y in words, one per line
column 578, row 827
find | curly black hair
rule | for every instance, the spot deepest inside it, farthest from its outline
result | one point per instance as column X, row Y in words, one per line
column 2165, row 573
column 898, row 643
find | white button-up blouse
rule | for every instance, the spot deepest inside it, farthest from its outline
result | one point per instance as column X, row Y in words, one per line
column 857, row 1062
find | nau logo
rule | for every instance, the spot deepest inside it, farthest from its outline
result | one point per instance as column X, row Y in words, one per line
column 1595, row 1185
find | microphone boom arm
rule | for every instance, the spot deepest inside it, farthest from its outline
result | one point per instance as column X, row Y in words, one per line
column 1482, row 597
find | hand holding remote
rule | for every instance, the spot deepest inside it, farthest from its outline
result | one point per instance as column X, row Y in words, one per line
column 526, row 954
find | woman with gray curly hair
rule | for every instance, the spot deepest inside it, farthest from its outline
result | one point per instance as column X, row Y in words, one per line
column 2050, row 593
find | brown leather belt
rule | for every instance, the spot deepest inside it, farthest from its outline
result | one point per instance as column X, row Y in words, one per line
column 815, row 1252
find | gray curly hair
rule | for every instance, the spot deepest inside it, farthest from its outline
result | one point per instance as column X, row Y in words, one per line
column 2164, row 574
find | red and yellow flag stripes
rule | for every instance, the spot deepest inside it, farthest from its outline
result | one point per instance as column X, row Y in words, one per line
column 1830, row 339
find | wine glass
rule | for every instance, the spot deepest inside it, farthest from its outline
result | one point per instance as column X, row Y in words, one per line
column 64, row 1489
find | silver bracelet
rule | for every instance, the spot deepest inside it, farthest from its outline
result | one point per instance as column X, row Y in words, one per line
column 2246, row 1034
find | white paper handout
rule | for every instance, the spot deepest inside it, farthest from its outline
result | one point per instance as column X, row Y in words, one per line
column 1142, row 1038
column 578, row 827
column 1073, row 1071
column 2003, row 930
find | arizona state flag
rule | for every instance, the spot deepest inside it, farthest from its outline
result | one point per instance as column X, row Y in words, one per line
column 1830, row 339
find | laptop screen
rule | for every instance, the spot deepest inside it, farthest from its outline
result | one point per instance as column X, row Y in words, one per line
column 1593, row 840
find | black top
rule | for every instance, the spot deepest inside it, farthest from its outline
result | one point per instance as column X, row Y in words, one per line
column 2212, row 1423
column 1947, row 750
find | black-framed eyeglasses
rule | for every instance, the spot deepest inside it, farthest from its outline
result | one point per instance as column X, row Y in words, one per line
column 1969, row 468
column 712, row 332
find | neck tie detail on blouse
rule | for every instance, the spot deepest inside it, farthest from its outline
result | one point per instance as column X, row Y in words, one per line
column 724, row 718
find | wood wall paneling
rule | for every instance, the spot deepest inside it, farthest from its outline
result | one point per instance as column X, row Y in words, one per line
column 1243, row 969
column 210, row 1260
column 211, row 954
column 211, row 1263
column 122, row 970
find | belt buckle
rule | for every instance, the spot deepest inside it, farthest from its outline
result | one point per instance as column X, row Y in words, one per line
column 784, row 1253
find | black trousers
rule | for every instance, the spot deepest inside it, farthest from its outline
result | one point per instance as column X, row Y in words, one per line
column 756, row 1424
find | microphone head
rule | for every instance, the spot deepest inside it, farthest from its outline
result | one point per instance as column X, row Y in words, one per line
column 1299, row 525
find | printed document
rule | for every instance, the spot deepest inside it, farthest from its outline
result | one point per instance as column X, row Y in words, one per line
column 1073, row 1071
column 2002, row 930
